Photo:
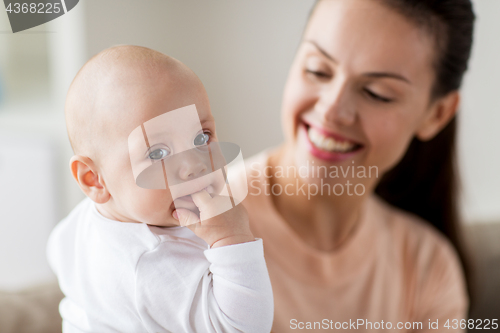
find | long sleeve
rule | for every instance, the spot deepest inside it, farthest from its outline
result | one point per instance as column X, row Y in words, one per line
column 178, row 290
column 242, row 293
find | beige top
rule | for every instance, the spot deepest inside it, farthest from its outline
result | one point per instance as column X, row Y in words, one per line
column 395, row 268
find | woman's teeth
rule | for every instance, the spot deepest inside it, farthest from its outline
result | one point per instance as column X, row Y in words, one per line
column 329, row 144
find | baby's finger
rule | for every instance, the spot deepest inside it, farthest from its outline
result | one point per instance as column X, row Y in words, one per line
column 201, row 199
column 185, row 217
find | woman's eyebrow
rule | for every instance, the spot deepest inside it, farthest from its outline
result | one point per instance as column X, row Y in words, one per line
column 374, row 74
column 321, row 50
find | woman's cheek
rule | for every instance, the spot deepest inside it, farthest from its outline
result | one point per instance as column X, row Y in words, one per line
column 298, row 99
column 289, row 116
column 388, row 141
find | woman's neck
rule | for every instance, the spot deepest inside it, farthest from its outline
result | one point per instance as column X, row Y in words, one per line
column 323, row 222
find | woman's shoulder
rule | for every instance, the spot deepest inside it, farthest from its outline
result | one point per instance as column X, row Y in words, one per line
column 257, row 163
column 410, row 229
column 251, row 169
column 427, row 252
column 429, row 258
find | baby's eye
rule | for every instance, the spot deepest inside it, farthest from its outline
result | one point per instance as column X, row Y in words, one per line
column 201, row 139
column 158, row 154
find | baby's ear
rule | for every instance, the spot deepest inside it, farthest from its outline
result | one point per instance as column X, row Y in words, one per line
column 88, row 178
column 438, row 116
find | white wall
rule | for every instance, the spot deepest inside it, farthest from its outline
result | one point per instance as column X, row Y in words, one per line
column 61, row 48
column 480, row 119
column 27, row 206
column 36, row 188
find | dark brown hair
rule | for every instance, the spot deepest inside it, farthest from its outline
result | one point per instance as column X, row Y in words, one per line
column 425, row 182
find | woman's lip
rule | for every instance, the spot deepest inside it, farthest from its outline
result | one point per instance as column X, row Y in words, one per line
column 326, row 133
column 325, row 155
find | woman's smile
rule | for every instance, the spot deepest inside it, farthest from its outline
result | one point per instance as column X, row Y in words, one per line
column 327, row 146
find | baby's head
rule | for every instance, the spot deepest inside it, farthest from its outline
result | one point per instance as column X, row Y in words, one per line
column 115, row 93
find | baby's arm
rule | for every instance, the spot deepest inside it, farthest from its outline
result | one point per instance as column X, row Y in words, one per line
column 180, row 291
column 242, row 294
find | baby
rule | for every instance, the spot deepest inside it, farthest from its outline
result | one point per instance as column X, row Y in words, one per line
column 123, row 258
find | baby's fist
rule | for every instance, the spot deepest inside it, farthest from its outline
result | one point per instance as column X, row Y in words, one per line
column 216, row 228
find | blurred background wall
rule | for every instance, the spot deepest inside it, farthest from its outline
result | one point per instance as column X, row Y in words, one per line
column 241, row 50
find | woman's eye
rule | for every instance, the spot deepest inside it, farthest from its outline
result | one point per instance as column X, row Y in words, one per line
column 158, row 154
column 318, row 74
column 377, row 97
column 201, row 139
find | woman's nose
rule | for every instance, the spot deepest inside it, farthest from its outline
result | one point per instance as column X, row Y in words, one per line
column 192, row 169
column 336, row 105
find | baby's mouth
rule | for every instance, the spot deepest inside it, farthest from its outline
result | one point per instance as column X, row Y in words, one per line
column 184, row 198
column 186, row 201
column 188, row 198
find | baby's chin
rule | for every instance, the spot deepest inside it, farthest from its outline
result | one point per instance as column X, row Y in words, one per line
column 159, row 216
column 167, row 222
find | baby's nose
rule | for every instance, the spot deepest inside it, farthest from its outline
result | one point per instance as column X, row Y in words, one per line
column 192, row 169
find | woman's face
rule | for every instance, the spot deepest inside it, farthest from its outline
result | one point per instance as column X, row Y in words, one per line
column 359, row 87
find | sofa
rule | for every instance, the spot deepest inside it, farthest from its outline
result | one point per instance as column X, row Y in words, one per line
column 35, row 310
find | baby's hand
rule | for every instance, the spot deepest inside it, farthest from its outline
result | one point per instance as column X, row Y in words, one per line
column 230, row 227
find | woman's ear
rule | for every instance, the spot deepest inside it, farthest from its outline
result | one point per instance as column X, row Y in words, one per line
column 88, row 178
column 438, row 116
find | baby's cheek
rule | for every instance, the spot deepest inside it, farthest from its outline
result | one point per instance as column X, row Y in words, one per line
column 157, row 199
column 153, row 206
column 220, row 183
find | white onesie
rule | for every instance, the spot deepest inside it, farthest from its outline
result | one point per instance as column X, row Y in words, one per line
column 132, row 277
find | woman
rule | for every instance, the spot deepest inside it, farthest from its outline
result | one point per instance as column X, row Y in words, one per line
column 357, row 207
